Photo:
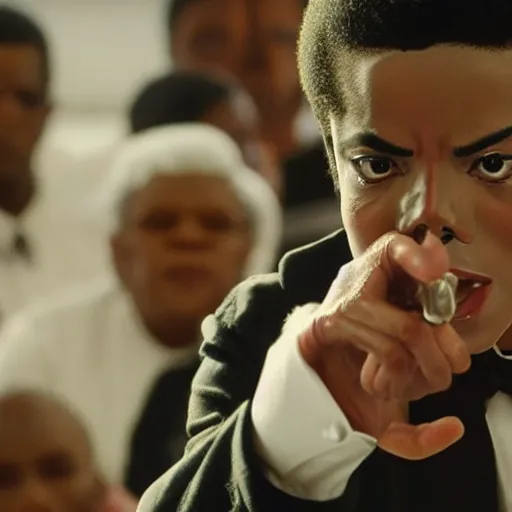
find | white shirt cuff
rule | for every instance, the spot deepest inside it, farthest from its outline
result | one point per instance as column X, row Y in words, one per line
column 301, row 434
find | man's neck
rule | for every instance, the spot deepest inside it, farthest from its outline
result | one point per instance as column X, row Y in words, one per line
column 16, row 195
column 505, row 342
column 177, row 336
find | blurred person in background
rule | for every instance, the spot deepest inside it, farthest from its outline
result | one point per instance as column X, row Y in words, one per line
column 252, row 41
column 47, row 463
column 255, row 42
column 42, row 246
column 186, row 97
column 189, row 221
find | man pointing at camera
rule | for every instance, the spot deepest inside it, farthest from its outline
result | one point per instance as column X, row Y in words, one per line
column 386, row 385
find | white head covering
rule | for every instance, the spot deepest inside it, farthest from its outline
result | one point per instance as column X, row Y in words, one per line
column 198, row 148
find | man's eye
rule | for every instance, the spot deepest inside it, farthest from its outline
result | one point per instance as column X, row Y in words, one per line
column 211, row 42
column 218, row 223
column 57, row 467
column 10, row 477
column 372, row 169
column 493, row 167
column 159, row 222
column 284, row 36
column 28, row 99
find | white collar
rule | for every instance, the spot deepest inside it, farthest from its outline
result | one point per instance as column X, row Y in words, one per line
column 171, row 357
column 501, row 354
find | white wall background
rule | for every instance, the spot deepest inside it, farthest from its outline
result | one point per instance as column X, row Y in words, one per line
column 103, row 50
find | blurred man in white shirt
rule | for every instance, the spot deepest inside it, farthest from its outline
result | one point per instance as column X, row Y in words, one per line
column 43, row 245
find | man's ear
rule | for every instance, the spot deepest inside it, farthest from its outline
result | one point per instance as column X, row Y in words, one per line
column 46, row 111
column 98, row 495
column 121, row 256
column 43, row 115
column 331, row 157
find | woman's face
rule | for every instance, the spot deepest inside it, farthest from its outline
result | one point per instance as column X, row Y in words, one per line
column 427, row 139
column 183, row 245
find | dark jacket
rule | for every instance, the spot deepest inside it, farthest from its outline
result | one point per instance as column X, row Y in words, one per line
column 307, row 179
column 311, row 206
column 220, row 471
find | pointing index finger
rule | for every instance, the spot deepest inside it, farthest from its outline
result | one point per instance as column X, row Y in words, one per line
column 425, row 263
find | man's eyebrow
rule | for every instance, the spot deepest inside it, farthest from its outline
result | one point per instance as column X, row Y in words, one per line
column 482, row 143
column 372, row 141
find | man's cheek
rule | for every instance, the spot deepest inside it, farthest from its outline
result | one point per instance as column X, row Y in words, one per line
column 493, row 216
column 365, row 221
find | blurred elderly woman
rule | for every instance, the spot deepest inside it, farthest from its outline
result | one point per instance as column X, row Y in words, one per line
column 189, row 220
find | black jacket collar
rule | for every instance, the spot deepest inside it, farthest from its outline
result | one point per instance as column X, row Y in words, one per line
column 307, row 273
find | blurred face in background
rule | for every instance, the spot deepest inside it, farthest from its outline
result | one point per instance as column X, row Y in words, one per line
column 252, row 40
column 182, row 246
column 238, row 117
column 23, row 108
column 45, row 460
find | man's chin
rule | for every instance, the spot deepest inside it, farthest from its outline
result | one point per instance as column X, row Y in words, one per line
column 192, row 309
column 481, row 333
column 478, row 344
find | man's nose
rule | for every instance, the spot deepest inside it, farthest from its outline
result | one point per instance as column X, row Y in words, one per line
column 188, row 234
column 255, row 54
column 436, row 202
column 37, row 498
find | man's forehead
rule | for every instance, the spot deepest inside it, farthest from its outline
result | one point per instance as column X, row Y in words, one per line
column 440, row 70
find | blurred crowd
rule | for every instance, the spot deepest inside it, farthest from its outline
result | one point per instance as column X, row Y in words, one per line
column 222, row 172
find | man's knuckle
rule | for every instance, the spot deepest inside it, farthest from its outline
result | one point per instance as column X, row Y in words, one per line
column 443, row 379
column 393, row 354
column 410, row 331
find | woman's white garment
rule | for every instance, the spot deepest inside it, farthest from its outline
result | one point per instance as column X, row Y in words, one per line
column 66, row 247
column 91, row 351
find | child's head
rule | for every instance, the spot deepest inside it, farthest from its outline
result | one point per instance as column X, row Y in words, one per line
column 46, row 459
column 189, row 97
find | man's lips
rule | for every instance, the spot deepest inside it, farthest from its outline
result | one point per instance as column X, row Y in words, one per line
column 472, row 292
column 188, row 274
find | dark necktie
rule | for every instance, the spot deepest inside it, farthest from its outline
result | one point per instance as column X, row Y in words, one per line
column 160, row 437
column 21, row 247
column 463, row 477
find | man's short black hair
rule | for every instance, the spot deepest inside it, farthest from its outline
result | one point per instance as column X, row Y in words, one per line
column 360, row 26
column 16, row 28
column 179, row 97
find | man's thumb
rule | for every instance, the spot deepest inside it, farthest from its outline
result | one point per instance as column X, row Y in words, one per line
column 417, row 442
